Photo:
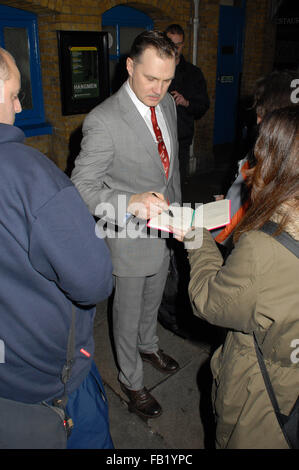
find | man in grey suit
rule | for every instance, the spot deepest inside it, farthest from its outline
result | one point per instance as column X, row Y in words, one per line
column 127, row 172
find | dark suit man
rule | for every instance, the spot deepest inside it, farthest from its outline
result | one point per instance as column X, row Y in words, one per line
column 120, row 175
column 189, row 90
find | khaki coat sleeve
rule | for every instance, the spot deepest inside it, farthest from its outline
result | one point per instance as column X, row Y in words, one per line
column 224, row 295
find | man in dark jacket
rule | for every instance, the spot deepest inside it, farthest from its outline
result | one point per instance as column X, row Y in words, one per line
column 190, row 93
column 50, row 260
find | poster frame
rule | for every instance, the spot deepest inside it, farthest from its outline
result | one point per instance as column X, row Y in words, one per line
column 85, row 41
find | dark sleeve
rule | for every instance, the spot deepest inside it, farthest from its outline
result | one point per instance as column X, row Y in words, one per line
column 65, row 249
column 197, row 94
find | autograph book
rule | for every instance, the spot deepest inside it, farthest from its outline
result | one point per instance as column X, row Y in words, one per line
column 210, row 216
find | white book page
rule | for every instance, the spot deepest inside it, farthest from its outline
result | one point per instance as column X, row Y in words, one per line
column 210, row 216
column 181, row 219
column 213, row 214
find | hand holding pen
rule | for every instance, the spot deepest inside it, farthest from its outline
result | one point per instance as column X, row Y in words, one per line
column 166, row 210
column 147, row 205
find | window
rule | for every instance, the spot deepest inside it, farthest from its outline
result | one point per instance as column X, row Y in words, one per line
column 19, row 35
column 123, row 24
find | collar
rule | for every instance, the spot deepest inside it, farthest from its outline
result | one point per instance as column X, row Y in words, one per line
column 142, row 108
column 182, row 62
column 9, row 133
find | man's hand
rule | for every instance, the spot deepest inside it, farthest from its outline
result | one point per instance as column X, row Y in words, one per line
column 179, row 99
column 147, row 205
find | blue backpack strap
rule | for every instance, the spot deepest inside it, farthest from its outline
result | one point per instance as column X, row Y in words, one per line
column 284, row 238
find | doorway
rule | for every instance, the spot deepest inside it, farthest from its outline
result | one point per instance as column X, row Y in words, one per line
column 123, row 24
column 229, row 71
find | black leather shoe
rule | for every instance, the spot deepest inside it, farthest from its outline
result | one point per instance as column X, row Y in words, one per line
column 142, row 402
column 160, row 361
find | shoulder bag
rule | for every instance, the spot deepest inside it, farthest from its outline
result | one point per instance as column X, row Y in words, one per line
column 41, row 425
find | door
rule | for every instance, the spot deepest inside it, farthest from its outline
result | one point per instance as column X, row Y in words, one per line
column 123, row 24
column 229, row 70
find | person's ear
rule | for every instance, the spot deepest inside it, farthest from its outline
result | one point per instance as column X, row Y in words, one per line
column 130, row 66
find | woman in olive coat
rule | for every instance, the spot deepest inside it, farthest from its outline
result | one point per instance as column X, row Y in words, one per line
column 256, row 291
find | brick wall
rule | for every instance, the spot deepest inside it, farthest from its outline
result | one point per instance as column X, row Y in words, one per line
column 259, row 44
column 85, row 15
column 207, row 61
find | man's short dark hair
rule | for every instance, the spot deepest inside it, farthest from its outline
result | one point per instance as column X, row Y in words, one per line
column 175, row 29
column 152, row 39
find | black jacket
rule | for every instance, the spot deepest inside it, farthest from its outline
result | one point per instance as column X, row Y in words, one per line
column 189, row 82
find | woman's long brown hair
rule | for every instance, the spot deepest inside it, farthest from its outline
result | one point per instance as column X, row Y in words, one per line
column 275, row 178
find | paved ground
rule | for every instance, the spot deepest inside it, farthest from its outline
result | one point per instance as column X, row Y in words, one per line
column 184, row 395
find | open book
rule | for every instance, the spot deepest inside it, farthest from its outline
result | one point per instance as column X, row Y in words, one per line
column 210, row 216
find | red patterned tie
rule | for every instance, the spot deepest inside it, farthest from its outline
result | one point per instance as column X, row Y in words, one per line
column 161, row 146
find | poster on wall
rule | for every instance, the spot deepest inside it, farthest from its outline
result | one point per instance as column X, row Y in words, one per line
column 84, row 70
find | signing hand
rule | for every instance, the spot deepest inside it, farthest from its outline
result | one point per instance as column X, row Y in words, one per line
column 147, row 205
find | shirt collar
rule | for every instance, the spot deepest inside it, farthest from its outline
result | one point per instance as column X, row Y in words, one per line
column 142, row 108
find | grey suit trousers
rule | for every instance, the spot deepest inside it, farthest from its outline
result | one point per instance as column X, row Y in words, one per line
column 135, row 310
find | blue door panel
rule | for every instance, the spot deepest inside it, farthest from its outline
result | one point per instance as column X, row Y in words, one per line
column 229, row 69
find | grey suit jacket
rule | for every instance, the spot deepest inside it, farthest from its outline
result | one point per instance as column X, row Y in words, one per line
column 119, row 158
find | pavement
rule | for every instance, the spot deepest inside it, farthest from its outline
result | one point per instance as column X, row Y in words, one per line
column 181, row 425
column 187, row 421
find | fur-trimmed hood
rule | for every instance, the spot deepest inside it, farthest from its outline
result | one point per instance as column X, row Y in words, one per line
column 292, row 226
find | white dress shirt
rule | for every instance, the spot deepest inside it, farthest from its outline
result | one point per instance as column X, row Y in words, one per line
column 146, row 115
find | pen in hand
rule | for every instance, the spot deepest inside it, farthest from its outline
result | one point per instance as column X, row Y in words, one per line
column 168, row 211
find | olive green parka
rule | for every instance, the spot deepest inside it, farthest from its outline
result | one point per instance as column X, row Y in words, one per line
column 257, row 290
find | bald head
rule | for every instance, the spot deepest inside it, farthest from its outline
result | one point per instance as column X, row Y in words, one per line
column 9, row 88
column 6, row 59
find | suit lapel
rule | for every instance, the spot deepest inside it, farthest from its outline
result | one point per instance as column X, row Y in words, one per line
column 168, row 116
column 131, row 115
